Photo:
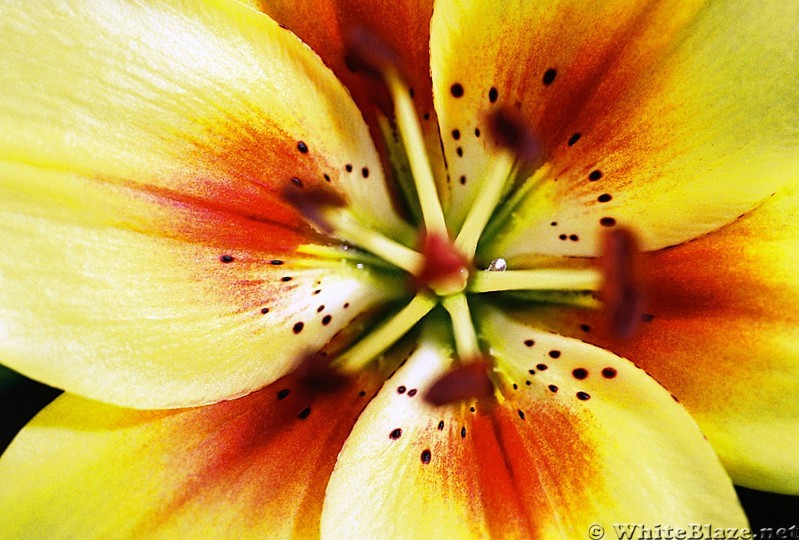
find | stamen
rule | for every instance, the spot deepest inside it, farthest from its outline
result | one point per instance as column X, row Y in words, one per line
column 347, row 228
column 484, row 204
column 587, row 279
column 411, row 132
column 462, row 326
column 386, row 335
column 517, row 147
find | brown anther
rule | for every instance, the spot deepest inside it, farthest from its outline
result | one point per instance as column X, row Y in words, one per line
column 312, row 204
column 509, row 131
column 470, row 380
column 366, row 53
column 445, row 269
column 623, row 291
column 314, row 372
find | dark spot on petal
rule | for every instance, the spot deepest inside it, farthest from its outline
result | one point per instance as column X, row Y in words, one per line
column 395, row 434
column 552, row 388
column 529, row 342
column 472, row 409
column 605, row 197
column 554, row 354
column 607, row 222
column 441, row 426
column 362, row 393
column 515, row 386
column 574, row 138
column 462, row 180
column 426, row 116
column 305, row 413
column 459, row 151
column 317, row 291
column 574, row 237
column 553, row 224
column 521, row 414
column 528, row 383
column 296, row 181
column 227, row 259
column 493, row 94
column 426, row 456
column 410, row 92
column 580, row 373
column 463, row 432
column 412, row 392
column 456, row 90
column 608, row 372
column 286, row 278
column 585, row 328
column 326, row 319
column 456, row 134
column 320, row 308
column 563, row 237
column 282, row 394
column 647, row 317
column 298, row 327
column 365, row 172
column 346, row 305
column 276, row 262
column 595, row 175
column 348, row 167
column 583, row 396
column 549, row 76
column 326, row 177
column 401, row 389
column 541, row 367
column 531, row 371
column 477, row 132
column 302, row 147
column 264, row 310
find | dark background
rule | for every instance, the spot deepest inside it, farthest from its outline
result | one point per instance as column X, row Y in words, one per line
column 21, row 399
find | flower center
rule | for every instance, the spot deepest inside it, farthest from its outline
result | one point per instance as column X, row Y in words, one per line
column 442, row 265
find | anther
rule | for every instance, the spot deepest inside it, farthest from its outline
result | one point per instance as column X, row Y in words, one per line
column 470, row 380
column 622, row 290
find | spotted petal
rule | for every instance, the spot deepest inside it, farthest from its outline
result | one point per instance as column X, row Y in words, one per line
column 539, row 464
column 672, row 118
column 144, row 148
column 252, row 467
column 721, row 334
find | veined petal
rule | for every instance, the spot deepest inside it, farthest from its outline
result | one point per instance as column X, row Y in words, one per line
column 143, row 152
column 210, row 100
column 538, row 464
column 253, row 467
column 672, row 118
column 721, row 334
column 399, row 27
column 146, row 302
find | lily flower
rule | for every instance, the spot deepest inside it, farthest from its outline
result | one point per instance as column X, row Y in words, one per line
column 296, row 282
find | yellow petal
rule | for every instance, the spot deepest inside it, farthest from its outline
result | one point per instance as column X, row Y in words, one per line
column 252, row 467
column 685, row 109
column 537, row 465
column 721, row 334
column 146, row 302
column 143, row 153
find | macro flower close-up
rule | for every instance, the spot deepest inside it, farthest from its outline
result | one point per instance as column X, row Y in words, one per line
column 427, row 268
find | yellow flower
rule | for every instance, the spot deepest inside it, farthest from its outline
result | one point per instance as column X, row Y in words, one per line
column 174, row 247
